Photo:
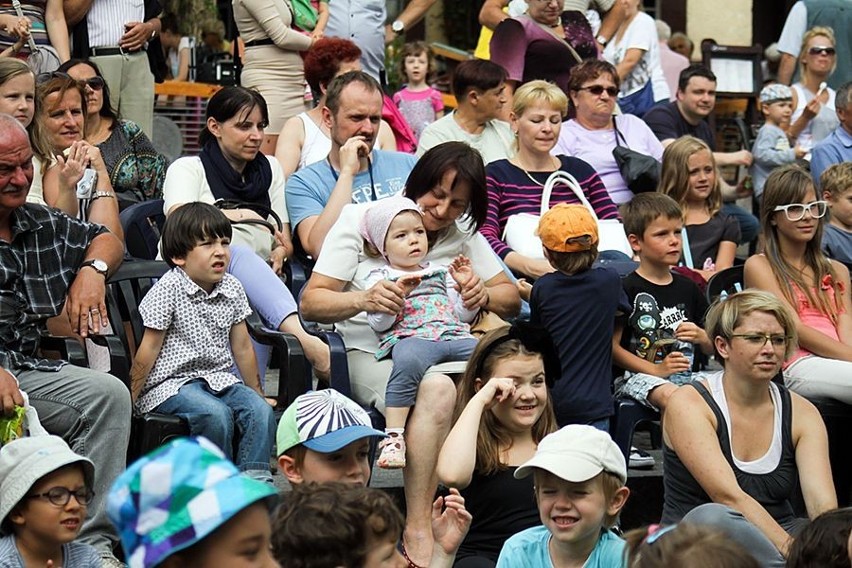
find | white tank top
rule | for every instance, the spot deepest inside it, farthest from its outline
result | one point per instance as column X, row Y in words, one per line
column 770, row 460
column 317, row 145
column 822, row 124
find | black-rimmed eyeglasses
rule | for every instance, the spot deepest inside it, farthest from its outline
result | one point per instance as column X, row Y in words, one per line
column 60, row 496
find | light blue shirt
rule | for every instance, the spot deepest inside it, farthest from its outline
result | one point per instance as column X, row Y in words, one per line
column 74, row 555
column 308, row 190
column 528, row 549
column 835, row 149
column 363, row 22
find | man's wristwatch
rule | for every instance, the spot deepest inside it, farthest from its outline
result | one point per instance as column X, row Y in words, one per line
column 97, row 265
column 398, row 26
column 601, row 40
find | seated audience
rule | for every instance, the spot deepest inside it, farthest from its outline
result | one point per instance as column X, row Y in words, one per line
column 136, row 169
column 683, row 544
column 654, row 345
column 306, row 137
column 448, row 184
column 333, row 525
column 480, row 90
column 825, row 543
column 231, row 167
column 61, row 266
column 515, row 185
column 736, row 444
column 635, row 52
column 836, row 148
column 814, row 106
column 690, row 177
column 202, row 513
column 772, row 148
column 576, row 468
column 354, row 171
column 594, row 132
column 812, row 286
column 836, row 183
column 184, row 365
column 325, row 437
column 503, row 410
column 39, row 475
column 577, row 304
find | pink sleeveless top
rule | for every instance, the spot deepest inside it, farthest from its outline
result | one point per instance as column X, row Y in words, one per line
column 813, row 318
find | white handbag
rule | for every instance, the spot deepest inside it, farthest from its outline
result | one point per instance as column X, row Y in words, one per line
column 520, row 229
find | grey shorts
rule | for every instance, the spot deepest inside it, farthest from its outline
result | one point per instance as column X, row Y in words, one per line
column 639, row 385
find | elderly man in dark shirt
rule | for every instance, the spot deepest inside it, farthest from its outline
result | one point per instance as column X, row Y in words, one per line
column 49, row 260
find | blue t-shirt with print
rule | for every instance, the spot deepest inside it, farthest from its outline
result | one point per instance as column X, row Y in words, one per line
column 528, row 549
column 309, row 189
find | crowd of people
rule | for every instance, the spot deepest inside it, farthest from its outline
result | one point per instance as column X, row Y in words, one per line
column 537, row 251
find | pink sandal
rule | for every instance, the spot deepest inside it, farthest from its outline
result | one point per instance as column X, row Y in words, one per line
column 393, row 452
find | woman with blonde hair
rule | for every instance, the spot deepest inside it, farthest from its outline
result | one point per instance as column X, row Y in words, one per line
column 813, row 101
column 515, row 185
column 689, row 176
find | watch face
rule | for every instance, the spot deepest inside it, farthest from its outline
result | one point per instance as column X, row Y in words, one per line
column 100, row 265
column 397, row 26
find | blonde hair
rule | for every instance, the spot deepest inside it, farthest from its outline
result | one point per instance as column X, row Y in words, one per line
column 539, row 91
column 674, row 179
column 837, row 179
column 696, row 546
column 816, row 31
column 785, row 185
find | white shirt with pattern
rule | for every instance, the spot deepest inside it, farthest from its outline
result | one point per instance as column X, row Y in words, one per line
column 197, row 342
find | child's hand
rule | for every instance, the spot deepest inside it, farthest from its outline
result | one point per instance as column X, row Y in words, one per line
column 799, row 151
column 689, row 332
column 461, row 270
column 496, row 390
column 524, row 289
column 409, row 283
column 450, row 522
column 675, row 362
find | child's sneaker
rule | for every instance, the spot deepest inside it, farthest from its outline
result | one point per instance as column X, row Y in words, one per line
column 393, row 452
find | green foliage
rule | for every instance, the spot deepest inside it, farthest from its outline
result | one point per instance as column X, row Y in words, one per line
column 191, row 13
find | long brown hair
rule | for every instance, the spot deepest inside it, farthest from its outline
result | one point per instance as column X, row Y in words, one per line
column 785, row 185
column 498, row 345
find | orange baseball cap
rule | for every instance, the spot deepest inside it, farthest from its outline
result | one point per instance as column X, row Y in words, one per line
column 568, row 228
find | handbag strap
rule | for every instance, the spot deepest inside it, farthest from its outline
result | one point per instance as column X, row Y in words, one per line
column 618, row 134
column 570, row 47
column 564, row 178
column 687, row 252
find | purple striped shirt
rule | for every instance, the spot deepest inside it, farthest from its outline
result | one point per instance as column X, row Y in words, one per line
column 511, row 191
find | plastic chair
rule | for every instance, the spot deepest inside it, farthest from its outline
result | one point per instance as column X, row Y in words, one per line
column 726, row 282
column 628, row 415
column 142, row 224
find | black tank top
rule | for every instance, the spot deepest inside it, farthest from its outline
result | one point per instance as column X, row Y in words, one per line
column 772, row 490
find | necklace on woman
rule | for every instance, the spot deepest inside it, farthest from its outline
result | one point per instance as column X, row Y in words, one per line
column 529, row 175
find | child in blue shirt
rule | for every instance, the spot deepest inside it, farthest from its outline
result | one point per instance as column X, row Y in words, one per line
column 195, row 331
column 772, row 147
column 579, row 486
column 578, row 305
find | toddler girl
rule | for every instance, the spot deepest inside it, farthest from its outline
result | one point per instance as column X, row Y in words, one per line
column 420, row 104
column 689, row 177
column 431, row 327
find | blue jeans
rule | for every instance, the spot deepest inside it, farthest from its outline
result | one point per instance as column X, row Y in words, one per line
column 91, row 411
column 412, row 356
column 216, row 415
column 749, row 224
column 267, row 295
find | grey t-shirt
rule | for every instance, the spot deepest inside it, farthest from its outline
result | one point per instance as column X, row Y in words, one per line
column 74, row 555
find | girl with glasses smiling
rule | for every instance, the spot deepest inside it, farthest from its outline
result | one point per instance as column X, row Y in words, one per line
column 816, row 288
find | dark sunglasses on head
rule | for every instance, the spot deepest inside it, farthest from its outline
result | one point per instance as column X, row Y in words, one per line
column 598, row 90
column 95, row 83
column 822, row 50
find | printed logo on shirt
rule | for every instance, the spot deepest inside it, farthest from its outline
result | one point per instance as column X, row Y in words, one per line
column 653, row 328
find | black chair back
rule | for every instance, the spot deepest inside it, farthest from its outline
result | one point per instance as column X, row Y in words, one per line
column 143, row 224
column 725, row 282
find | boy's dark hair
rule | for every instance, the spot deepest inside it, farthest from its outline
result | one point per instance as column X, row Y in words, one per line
column 644, row 208
column 837, row 179
column 572, row 262
column 478, row 74
column 332, row 524
column 824, row 542
column 335, row 88
column 694, row 70
column 189, row 225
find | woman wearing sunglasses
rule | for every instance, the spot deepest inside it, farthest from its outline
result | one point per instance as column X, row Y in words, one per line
column 136, row 169
column 813, row 102
column 816, row 288
column 590, row 134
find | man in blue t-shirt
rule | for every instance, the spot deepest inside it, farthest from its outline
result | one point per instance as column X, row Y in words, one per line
column 353, row 172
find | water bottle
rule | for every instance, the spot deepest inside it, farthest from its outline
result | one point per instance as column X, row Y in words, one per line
column 688, row 351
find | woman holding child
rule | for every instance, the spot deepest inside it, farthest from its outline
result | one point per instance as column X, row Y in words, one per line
column 230, row 167
column 515, row 185
column 736, row 444
column 448, row 184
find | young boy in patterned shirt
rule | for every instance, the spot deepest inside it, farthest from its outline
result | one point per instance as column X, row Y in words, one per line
column 194, row 319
